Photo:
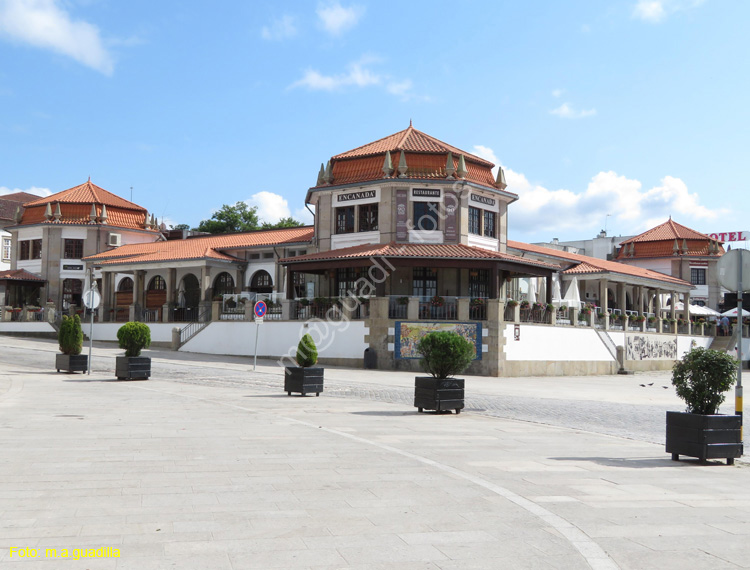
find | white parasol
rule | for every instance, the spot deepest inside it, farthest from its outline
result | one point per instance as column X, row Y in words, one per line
column 733, row 313
column 556, row 294
column 572, row 296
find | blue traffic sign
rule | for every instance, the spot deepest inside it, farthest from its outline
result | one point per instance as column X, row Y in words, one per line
column 260, row 309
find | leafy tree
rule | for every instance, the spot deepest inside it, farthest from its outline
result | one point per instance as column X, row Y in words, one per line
column 180, row 227
column 702, row 377
column 231, row 219
column 282, row 223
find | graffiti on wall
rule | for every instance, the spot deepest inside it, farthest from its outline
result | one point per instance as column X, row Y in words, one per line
column 650, row 347
column 408, row 335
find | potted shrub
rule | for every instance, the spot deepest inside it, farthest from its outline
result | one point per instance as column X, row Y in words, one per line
column 133, row 337
column 701, row 378
column 444, row 354
column 70, row 338
column 306, row 377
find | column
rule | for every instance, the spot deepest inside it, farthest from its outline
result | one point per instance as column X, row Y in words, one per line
column 107, row 296
column 640, row 300
column 239, row 280
column 171, row 280
column 658, row 310
column 621, row 297
column 672, row 311
column 603, row 297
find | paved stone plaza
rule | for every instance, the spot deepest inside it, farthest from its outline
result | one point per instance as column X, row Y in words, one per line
column 210, row 465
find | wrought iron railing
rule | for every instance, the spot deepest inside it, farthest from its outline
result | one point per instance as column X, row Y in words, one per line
column 193, row 328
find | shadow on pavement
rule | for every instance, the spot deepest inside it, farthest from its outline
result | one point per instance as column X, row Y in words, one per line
column 640, row 462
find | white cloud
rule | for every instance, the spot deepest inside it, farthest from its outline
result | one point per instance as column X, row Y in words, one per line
column 336, row 19
column 655, row 11
column 565, row 111
column 33, row 190
column 271, row 207
column 358, row 74
column 45, row 24
column 281, row 29
column 557, row 92
column 633, row 208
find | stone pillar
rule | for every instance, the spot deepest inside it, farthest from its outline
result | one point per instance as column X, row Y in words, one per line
column 621, row 297
column 553, row 318
column 640, row 300
column 496, row 337
column 603, row 297
column 378, row 307
column 657, row 308
column 463, row 308
column 175, row 338
column 686, row 306
column 591, row 319
column 286, row 310
column 107, row 297
column 239, row 280
column 412, row 309
column 672, row 312
column 250, row 313
column 606, row 320
column 215, row 311
column 50, row 312
column 573, row 312
column 517, row 313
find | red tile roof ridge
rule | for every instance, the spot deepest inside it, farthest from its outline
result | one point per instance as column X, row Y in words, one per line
column 669, row 230
column 20, row 275
column 87, row 193
column 595, row 262
column 402, row 137
column 20, row 197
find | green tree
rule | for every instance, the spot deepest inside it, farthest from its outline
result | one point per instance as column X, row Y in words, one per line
column 231, row 219
column 282, row 223
column 180, row 227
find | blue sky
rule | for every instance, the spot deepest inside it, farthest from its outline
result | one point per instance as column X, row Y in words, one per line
column 633, row 108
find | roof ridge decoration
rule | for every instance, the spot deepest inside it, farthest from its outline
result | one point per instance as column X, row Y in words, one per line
column 450, row 170
column 402, row 167
column 387, row 164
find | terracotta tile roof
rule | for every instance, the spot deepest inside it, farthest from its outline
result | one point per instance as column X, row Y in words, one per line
column 659, row 242
column 586, row 264
column 425, row 159
column 410, row 140
column 20, row 275
column 21, row 197
column 10, row 202
column 79, row 214
column 669, row 230
column 204, row 247
column 87, row 193
column 415, row 250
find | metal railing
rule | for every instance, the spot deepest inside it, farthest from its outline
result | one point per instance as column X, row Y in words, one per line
column 398, row 307
column 440, row 308
column 193, row 328
column 478, row 309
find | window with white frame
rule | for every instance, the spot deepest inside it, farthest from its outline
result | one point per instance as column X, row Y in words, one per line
column 6, row 249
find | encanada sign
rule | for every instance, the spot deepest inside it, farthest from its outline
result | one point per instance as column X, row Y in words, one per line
column 483, row 200
column 356, row 195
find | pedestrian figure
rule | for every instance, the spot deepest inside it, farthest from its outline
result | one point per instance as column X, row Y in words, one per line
column 725, row 325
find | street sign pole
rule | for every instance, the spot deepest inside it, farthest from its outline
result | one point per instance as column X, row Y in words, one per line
column 259, row 309
column 738, row 388
column 255, row 353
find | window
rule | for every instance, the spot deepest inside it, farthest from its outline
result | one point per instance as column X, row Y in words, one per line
column 224, row 284
column 489, row 223
column 368, row 218
column 424, row 282
column 157, row 284
column 300, row 286
column 73, row 248
column 426, row 216
column 698, row 275
column 475, row 221
column 346, row 279
column 30, row 249
column 72, row 292
column 6, row 249
column 36, row 249
column 254, row 256
column 125, row 286
column 479, row 283
column 345, row 220
column 261, row 282
column 268, row 255
column 23, row 249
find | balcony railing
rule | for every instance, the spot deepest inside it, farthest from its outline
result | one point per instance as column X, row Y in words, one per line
column 438, row 308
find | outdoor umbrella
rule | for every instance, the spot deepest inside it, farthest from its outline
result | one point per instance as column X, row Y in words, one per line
column 733, row 313
column 572, row 296
column 697, row 310
column 532, row 291
column 181, row 296
column 556, row 294
column 542, row 290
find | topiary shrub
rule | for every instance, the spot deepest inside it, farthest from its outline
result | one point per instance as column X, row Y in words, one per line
column 70, row 335
column 307, row 352
column 701, row 377
column 445, row 353
column 134, row 337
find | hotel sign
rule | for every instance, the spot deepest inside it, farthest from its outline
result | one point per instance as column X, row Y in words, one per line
column 730, row 236
column 72, row 267
column 483, row 200
column 356, row 196
column 425, row 193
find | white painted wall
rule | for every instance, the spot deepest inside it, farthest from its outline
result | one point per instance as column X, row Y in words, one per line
column 333, row 339
column 544, row 343
column 160, row 332
column 28, row 327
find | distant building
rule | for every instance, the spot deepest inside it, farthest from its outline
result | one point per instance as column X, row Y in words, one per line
column 681, row 252
column 11, row 208
column 602, row 246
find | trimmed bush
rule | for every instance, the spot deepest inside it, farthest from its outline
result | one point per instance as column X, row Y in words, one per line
column 70, row 335
column 307, row 352
column 445, row 353
column 701, row 377
column 134, row 337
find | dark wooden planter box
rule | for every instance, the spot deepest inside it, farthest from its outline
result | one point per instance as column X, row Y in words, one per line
column 704, row 437
column 438, row 394
column 72, row 362
column 303, row 380
column 132, row 367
